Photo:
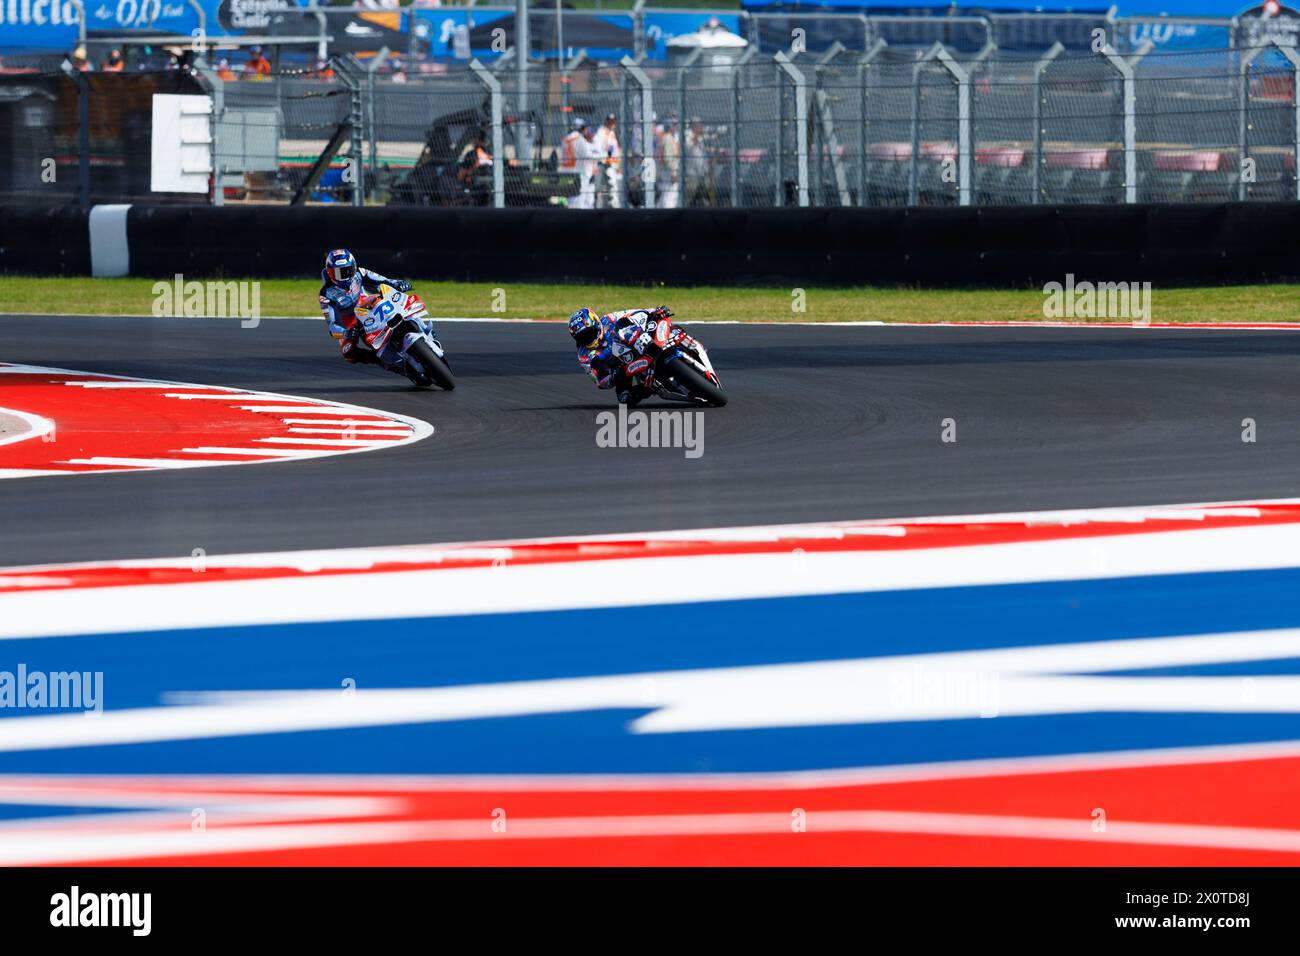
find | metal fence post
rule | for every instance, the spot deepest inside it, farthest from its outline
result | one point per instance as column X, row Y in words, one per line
column 963, row 130
column 348, row 69
column 938, row 52
column 1294, row 59
column 1244, row 126
column 81, row 21
column 801, row 123
column 778, row 190
column 378, row 60
column 1125, row 71
column 493, row 86
column 83, row 138
column 1243, row 112
column 1146, row 47
column 914, row 158
column 981, row 56
column 216, row 87
column 649, row 172
column 864, row 64
column 1040, row 68
column 638, row 29
column 830, row 143
column 734, row 164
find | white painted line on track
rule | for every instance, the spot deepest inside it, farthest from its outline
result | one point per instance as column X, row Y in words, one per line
column 134, row 385
column 368, row 423
column 231, row 396
column 306, row 410
column 357, row 443
column 344, row 430
column 259, row 452
column 142, row 462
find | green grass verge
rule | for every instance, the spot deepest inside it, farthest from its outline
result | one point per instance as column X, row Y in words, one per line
column 288, row 297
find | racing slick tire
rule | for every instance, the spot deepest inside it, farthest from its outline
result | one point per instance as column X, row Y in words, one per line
column 437, row 368
column 694, row 381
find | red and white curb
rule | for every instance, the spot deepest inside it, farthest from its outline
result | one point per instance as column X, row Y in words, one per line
column 1166, row 808
column 704, row 565
column 84, row 422
column 1170, row 806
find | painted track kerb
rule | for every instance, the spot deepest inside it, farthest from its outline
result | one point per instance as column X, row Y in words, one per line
column 233, row 430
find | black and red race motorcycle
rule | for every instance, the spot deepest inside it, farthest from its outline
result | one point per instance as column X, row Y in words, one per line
column 680, row 367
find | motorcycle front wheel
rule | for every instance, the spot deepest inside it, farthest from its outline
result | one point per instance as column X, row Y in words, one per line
column 436, row 368
column 695, row 382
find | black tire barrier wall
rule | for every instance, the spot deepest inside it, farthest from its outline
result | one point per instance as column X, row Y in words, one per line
column 44, row 241
column 932, row 247
column 1010, row 246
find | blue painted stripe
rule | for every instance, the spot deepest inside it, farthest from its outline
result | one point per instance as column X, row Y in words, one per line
column 140, row 669
column 447, row 651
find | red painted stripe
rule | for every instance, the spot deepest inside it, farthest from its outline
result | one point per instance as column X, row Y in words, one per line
column 870, row 536
column 1259, row 793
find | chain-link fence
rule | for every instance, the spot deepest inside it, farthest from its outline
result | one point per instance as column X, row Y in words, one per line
column 888, row 125
column 69, row 137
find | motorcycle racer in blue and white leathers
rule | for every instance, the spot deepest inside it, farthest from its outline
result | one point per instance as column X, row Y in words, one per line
column 343, row 283
column 611, row 346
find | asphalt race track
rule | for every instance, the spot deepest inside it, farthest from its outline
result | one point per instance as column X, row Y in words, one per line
column 825, row 423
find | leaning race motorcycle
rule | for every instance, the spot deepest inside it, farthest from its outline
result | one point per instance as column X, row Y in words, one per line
column 681, row 368
column 390, row 313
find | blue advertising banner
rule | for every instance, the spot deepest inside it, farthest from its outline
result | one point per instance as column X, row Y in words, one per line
column 119, row 17
column 460, row 33
column 30, row 25
column 37, row 25
column 662, row 27
column 445, row 33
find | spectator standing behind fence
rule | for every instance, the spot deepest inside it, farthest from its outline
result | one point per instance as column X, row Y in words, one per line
column 224, row 72
column 569, row 147
column 114, row 63
column 591, row 166
column 699, row 169
column 257, row 66
column 79, row 61
column 609, row 188
column 668, row 157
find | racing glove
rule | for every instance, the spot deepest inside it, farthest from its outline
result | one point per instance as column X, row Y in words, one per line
column 401, row 285
column 661, row 312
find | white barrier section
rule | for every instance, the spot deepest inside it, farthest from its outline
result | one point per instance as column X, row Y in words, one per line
column 109, row 253
column 181, row 146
